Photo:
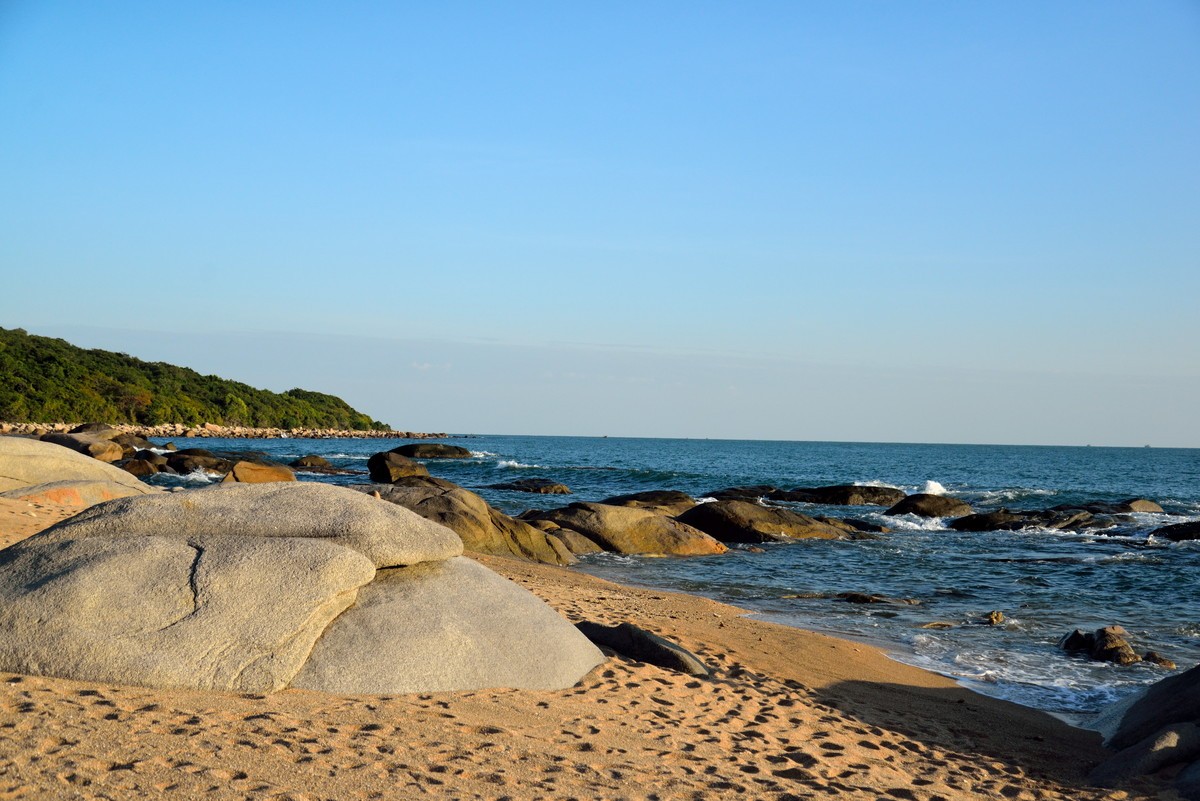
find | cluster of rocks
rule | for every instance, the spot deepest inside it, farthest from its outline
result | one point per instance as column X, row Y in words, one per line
column 257, row 587
column 213, row 430
column 1109, row 644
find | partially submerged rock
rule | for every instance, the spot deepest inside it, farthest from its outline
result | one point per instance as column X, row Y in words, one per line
column 743, row 521
column 924, row 504
column 432, row 450
column 386, row 467
column 630, row 530
column 538, row 486
column 480, row 527
column 1180, row 532
column 1107, row 644
column 841, row 495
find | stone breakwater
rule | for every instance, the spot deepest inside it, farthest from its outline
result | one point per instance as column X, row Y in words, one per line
column 172, row 430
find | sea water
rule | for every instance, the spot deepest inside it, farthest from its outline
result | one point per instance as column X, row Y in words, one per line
column 1045, row 583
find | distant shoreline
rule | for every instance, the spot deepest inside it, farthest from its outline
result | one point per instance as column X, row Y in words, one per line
column 212, row 430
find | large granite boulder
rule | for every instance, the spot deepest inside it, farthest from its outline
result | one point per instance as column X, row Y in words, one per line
column 481, row 528
column 76, row 493
column 744, row 493
column 630, row 530
column 923, row 504
column 743, row 521
column 1156, row 728
column 240, row 586
column 841, row 495
column 26, row 462
column 191, row 460
column 217, row 612
column 258, row 473
column 671, row 503
column 104, row 450
column 432, row 450
column 384, row 533
column 445, row 626
column 388, row 466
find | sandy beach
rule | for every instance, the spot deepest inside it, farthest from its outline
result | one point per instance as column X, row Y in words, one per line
column 786, row 714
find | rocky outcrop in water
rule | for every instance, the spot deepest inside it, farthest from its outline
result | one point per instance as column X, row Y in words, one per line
column 925, row 505
column 626, row 529
column 742, row 521
column 537, row 486
column 433, row 450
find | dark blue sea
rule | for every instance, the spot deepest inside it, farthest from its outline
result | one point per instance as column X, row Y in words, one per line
column 1045, row 583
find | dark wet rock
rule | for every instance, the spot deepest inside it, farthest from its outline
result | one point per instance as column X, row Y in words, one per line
column 750, row 493
column 386, row 467
column 1112, row 508
column 538, row 486
column 139, row 467
column 1005, row 520
column 184, row 462
column 644, row 646
column 666, row 502
column 1155, row 658
column 132, row 443
column 156, row 459
column 1107, row 644
column 432, row 450
column 310, row 461
column 841, row 495
column 1179, row 532
column 871, row 598
column 925, row 505
column 743, row 521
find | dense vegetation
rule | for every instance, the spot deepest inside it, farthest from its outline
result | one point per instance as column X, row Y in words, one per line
column 44, row 380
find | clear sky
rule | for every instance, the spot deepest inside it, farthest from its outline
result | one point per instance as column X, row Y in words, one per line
column 917, row 221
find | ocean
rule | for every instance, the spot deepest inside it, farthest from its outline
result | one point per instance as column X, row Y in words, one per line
column 1046, row 583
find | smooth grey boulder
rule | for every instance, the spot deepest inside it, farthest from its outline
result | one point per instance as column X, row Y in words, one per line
column 26, row 462
column 213, row 612
column 386, row 534
column 1175, row 699
column 1170, row 745
column 644, row 646
column 450, row 625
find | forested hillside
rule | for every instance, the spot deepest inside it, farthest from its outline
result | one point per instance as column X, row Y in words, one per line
column 44, row 380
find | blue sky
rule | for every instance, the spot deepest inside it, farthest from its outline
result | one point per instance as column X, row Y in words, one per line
column 972, row 222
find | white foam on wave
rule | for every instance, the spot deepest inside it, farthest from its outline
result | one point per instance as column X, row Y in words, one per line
column 913, row 523
column 515, row 465
column 483, row 454
column 933, row 488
